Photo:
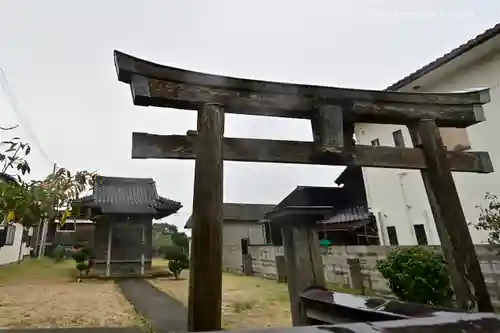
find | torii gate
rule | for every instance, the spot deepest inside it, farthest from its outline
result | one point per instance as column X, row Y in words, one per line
column 333, row 112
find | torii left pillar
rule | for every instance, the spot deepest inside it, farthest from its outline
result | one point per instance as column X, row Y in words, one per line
column 205, row 280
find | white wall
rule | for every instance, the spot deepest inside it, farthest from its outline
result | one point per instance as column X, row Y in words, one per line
column 10, row 253
column 399, row 195
column 233, row 232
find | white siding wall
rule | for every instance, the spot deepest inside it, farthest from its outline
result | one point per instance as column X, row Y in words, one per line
column 399, row 195
column 233, row 232
column 10, row 253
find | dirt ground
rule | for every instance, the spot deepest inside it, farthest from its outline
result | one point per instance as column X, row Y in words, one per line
column 39, row 293
column 248, row 302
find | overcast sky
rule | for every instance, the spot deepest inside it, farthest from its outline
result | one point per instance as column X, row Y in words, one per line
column 58, row 58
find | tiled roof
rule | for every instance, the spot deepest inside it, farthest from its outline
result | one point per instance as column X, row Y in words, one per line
column 240, row 212
column 469, row 45
column 116, row 195
column 245, row 212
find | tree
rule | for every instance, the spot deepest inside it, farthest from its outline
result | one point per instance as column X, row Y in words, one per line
column 489, row 218
column 28, row 203
column 17, row 199
column 12, row 194
column 181, row 240
column 417, row 275
column 14, row 154
column 177, row 260
column 165, row 234
column 22, row 203
column 63, row 188
column 165, row 228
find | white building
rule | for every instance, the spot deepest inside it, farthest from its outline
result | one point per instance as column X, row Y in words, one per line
column 12, row 247
column 398, row 197
column 12, row 250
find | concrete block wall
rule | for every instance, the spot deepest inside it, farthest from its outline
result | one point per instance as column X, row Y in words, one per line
column 264, row 259
column 337, row 268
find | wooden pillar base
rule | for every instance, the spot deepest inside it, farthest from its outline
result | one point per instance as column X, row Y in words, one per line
column 304, row 266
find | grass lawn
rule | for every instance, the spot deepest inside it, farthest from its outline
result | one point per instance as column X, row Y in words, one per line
column 248, row 302
column 39, row 293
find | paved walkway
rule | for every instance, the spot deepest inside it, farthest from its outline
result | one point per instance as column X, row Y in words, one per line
column 163, row 312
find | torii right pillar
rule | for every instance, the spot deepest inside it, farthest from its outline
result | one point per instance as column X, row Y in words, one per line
column 451, row 224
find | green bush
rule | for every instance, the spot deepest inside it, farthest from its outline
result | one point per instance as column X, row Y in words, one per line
column 178, row 260
column 59, row 253
column 79, row 256
column 83, row 256
column 417, row 275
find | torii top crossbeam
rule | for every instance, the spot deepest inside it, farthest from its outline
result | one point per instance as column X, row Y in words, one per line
column 158, row 85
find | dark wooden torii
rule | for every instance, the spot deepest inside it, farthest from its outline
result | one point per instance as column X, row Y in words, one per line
column 333, row 112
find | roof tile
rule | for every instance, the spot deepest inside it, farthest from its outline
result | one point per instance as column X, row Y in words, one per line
column 129, row 196
column 240, row 212
column 467, row 46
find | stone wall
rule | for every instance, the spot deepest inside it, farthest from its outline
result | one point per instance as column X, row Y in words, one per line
column 337, row 269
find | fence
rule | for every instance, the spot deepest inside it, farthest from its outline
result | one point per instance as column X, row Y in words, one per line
column 355, row 266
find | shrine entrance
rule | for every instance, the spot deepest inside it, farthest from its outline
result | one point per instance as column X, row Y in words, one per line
column 333, row 113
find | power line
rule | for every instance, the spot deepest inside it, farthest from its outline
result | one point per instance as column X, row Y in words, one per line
column 14, row 103
column 15, row 106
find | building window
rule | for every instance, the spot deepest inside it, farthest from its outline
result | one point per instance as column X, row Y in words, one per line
column 393, row 236
column 66, row 227
column 399, row 141
column 420, row 234
column 10, row 234
column 375, row 143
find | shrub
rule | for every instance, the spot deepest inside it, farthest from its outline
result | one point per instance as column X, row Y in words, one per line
column 417, row 275
column 177, row 260
column 79, row 256
column 59, row 253
column 83, row 255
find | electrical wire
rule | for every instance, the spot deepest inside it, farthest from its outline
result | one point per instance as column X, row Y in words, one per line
column 14, row 103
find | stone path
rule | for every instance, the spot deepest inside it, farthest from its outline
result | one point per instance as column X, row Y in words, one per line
column 163, row 312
